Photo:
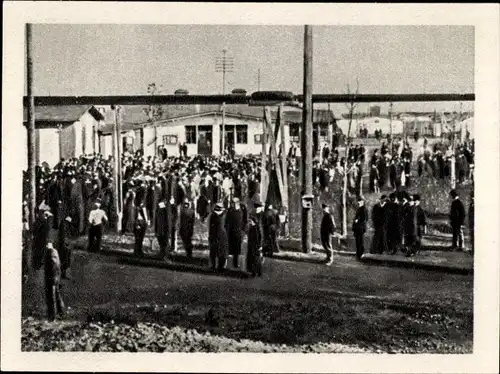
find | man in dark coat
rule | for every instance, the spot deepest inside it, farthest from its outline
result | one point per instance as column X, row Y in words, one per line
column 359, row 227
column 41, row 236
column 63, row 247
column 54, row 200
column 140, row 227
column 52, row 278
column 186, row 227
column 471, row 221
column 161, row 227
column 270, row 227
column 421, row 222
column 325, row 152
column 205, row 199
column 379, row 219
column 254, row 250
column 327, row 230
column 395, row 229
column 324, row 178
column 410, row 226
column 128, row 213
column 235, row 226
column 217, row 238
column 173, row 217
column 76, row 206
column 457, row 220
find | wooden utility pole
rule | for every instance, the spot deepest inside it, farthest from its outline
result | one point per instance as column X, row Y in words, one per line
column 223, row 128
column 116, row 166
column 31, row 126
column 390, row 124
column 120, row 152
column 284, row 168
column 306, row 140
column 263, row 172
column 330, row 130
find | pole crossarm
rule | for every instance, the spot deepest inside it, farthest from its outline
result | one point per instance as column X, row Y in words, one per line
column 237, row 99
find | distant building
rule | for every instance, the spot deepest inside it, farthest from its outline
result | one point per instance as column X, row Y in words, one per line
column 64, row 132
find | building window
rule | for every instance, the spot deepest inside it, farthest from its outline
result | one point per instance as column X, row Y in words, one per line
column 293, row 129
column 190, row 134
column 169, row 139
column 241, row 134
column 323, row 133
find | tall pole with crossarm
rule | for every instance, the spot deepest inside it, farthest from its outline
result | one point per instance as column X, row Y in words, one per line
column 31, row 133
column 306, row 140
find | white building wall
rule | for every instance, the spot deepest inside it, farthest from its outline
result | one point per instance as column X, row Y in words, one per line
column 88, row 123
column 106, row 144
column 78, row 139
column 48, row 146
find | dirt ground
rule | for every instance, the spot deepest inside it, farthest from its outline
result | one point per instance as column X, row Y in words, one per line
column 294, row 307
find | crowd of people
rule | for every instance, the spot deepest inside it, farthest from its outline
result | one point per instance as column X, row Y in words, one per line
column 166, row 195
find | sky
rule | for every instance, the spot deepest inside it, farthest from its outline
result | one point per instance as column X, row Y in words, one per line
column 124, row 59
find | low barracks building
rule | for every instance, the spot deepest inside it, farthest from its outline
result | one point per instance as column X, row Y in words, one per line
column 64, row 131
column 200, row 128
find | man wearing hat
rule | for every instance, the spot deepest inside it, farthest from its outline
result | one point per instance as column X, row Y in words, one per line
column 217, row 238
column 410, row 225
column 41, row 235
column 254, row 248
column 380, row 219
column 395, row 227
column 186, row 227
column 457, row 220
column 97, row 218
column 235, row 225
column 359, row 227
column 326, row 232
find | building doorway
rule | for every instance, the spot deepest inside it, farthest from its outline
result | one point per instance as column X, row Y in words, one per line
column 205, row 140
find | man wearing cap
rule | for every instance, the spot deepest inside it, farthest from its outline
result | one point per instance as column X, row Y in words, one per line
column 97, row 218
column 217, row 238
column 359, row 227
column 457, row 220
column 235, row 225
column 186, row 227
column 326, row 232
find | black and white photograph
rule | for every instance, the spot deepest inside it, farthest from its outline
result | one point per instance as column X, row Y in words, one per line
column 239, row 187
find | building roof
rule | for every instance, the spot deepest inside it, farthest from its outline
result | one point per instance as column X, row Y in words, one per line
column 136, row 114
column 134, row 117
column 62, row 113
